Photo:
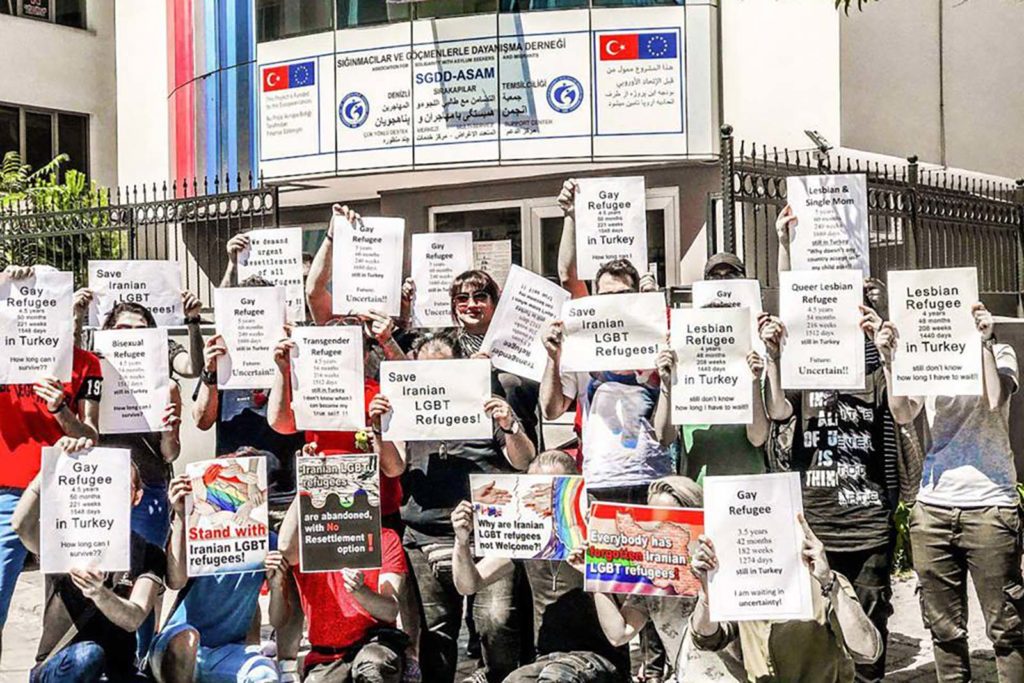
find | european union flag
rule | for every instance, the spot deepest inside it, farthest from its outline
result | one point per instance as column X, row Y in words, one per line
column 658, row 46
column 301, row 74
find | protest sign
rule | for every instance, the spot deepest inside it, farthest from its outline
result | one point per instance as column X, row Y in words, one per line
column 228, row 531
column 85, row 504
column 642, row 549
column 251, row 321
column 136, row 380
column 494, row 257
column 513, row 338
column 752, row 521
column 327, row 378
column 276, row 256
column 528, row 516
column 437, row 257
column 368, row 265
column 739, row 293
column 711, row 383
column 613, row 332
column 339, row 512
column 611, row 223
column 824, row 345
column 36, row 327
column 832, row 222
column 426, row 404
column 154, row 284
column 939, row 350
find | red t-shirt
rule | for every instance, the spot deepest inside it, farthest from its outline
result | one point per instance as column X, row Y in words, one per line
column 344, row 443
column 334, row 617
column 26, row 426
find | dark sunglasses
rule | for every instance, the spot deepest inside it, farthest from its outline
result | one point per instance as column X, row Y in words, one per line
column 479, row 297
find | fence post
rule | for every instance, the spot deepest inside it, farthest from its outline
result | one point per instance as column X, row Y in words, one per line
column 728, row 195
column 1018, row 200
column 911, row 199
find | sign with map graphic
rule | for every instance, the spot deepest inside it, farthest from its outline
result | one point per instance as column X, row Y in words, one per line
column 643, row 550
column 528, row 516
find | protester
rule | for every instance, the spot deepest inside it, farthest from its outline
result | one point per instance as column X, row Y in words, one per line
column 90, row 618
column 31, row 417
column 967, row 518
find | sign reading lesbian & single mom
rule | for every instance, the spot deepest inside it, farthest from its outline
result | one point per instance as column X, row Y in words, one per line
column 611, row 223
column 36, row 327
column 436, row 399
column 832, row 222
column 613, row 332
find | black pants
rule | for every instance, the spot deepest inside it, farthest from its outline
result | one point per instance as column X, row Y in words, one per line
column 870, row 573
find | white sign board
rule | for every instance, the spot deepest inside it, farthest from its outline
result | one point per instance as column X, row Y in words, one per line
column 427, row 405
column 136, row 380
column 276, row 256
column 251, row 320
column 494, row 257
column 739, row 293
column 613, row 332
column 154, row 284
column 327, row 378
column 36, row 327
column 368, row 265
column 832, row 222
column 437, row 258
column 611, row 223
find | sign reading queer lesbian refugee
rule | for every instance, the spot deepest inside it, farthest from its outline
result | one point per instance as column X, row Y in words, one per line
column 436, row 399
column 939, row 350
column 513, row 338
column 732, row 294
column 368, row 265
column 760, row 575
column 339, row 512
column 36, row 327
column 832, row 222
column 824, row 346
column 136, row 380
column 711, row 383
column 276, row 256
column 642, row 549
column 85, row 510
column 251, row 321
column 154, row 284
column 611, row 223
column 227, row 516
column 528, row 516
column 613, row 332
column 327, row 378
column 437, row 258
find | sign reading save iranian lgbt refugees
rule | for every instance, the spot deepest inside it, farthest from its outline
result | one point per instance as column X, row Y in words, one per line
column 613, row 332
column 427, row 405
column 154, row 284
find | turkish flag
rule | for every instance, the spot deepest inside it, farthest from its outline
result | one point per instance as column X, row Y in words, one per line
column 620, row 46
column 275, row 78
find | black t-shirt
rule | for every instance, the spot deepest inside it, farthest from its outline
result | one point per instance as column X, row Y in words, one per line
column 565, row 617
column 66, row 605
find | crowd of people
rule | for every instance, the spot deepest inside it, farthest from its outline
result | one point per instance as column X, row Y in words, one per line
column 859, row 453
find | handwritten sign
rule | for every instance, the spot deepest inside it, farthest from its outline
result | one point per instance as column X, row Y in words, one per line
column 613, row 332
column 251, row 320
column 494, row 257
column 711, row 383
column 832, row 222
column 427, row 405
column 36, row 327
column 611, row 223
column 136, row 380
column 276, row 256
column 368, row 265
column 327, row 378
column 437, row 258
column 153, row 284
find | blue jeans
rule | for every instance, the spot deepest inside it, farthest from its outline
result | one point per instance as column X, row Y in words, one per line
column 229, row 663
column 82, row 662
column 12, row 552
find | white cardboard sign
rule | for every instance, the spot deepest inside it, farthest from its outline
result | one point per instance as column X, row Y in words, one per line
column 276, row 256
column 36, row 327
column 611, row 223
column 613, row 332
column 426, row 404
column 154, row 284
column 437, row 258
column 368, row 265
column 832, row 222
column 251, row 321
column 136, row 380
column 327, row 378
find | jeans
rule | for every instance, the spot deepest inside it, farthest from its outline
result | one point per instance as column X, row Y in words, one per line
column 566, row 667
column 870, row 573
column 948, row 543
column 374, row 663
column 229, row 663
column 12, row 552
column 494, row 611
column 82, row 662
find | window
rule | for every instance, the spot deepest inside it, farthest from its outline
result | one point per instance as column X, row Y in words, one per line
column 39, row 135
column 277, row 19
column 64, row 12
column 38, row 139
column 538, row 5
column 10, row 130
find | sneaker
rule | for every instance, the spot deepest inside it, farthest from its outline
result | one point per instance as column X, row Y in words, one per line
column 289, row 669
column 478, row 676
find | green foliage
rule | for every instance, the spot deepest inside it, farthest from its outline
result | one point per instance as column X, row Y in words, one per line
column 42, row 190
column 902, row 560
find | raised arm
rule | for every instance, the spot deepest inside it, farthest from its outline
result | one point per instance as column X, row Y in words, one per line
column 998, row 387
column 318, row 296
column 282, row 592
column 288, row 536
column 81, row 302
column 170, row 440
column 620, row 624
column 207, row 404
column 177, row 570
column 553, row 401
column 519, row 450
column 469, row 576
column 391, row 454
column 190, row 364
column 666, row 431
column 904, row 409
column 235, row 246
column 280, row 415
column 785, row 224
column 758, row 429
column 707, row 634
column 567, row 244
column 772, row 333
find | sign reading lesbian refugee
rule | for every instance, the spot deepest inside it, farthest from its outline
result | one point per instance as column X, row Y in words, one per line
column 528, row 516
column 251, row 321
column 154, row 284
column 761, row 575
column 436, row 399
column 327, row 378
column 136, row 380
column 832, row 222
column 611, row 223
column 437, row 258
column 939, row 349
column 367, row 265
column 276, row 256
column 613, row 332
column 642, row 550
column 227, row 519
column 36, row 327
column 85, row 510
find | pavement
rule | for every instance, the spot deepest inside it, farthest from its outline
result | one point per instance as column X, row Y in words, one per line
column 910, row 649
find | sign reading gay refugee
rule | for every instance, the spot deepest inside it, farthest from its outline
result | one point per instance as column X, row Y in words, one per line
column 367, row 265
column 611, row 223
column 437, row 258
column 251, row 320
column 613, row 332
column 36, row 327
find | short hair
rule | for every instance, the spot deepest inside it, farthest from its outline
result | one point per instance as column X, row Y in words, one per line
column 444, row 340
column 128, row 307
column 255, row 281
column 554, row 459
column 477, row 279
column 307, row 258
column 619, row 268
column 684, row 490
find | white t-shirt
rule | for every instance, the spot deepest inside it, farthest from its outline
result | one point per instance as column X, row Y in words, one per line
column 620, row 446
column 968, row 460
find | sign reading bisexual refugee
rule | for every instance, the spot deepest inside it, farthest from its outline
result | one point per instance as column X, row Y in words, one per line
column 611, row 223
column 832, row 222
column 276, row 256
column 227, row 524
column 154, row 284
column 759, row 542
column 711, row 383
column 642, row 550
column 36, row 327
column 436, row 399
column 251, row 320
column 513, row 339
column 367, row 265
column 528, row 516
column 85, row 510
column 613, row 332
column 939, row 349
column 136, row 380
column 327, row 378
column 437, row 258
column 739, row 293
column 824, row 345
column 339, row 512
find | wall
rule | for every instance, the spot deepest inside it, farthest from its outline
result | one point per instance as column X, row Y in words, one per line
column 57, row 67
